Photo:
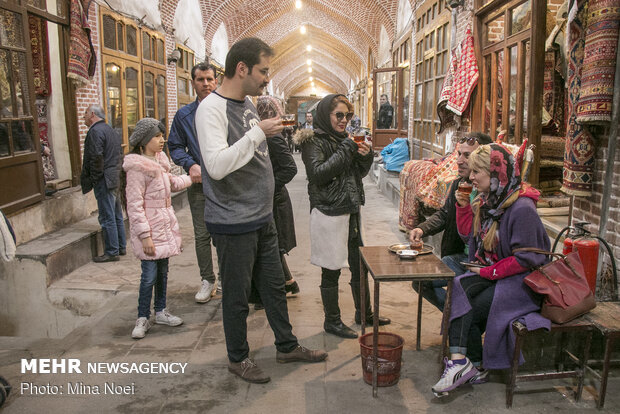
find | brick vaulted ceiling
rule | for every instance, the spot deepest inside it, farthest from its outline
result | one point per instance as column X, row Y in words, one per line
column 341, row 33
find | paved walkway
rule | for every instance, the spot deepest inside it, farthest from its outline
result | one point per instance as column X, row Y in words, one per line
column 333, row 386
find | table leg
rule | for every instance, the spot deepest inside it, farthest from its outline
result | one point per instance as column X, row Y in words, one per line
column 418, row 333
column 363, row 277
column 445, row 323
column 375, row 339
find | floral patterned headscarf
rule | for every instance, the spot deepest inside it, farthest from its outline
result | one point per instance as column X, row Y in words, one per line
column 505, row 181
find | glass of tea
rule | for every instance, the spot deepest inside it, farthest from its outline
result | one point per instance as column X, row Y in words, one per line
column 359, row 136
column 465, row 187
column 416, row 245
column 288, row 120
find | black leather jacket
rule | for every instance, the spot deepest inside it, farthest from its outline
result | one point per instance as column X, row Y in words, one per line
column 335, row 171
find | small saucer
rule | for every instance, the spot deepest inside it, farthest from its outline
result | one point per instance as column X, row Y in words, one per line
column 407, row 254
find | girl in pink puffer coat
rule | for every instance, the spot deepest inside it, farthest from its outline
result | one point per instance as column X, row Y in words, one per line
column 153, row 227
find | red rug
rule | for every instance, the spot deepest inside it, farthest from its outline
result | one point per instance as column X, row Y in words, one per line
column 599, row 62
column 579, row 151
column 37, row 29
column 80, row 51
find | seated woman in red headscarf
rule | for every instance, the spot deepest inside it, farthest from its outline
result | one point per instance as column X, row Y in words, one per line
column 489, row 298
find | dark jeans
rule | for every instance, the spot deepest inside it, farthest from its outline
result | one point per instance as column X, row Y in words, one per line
column 154, row 274
column 465, row 332
column 110, row 218
column 243, row 258
column 329, row 278
column 434, row 291
column 196, row 199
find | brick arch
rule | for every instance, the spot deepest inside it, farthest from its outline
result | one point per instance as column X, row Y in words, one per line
column 319, row 83
column 326, row 49
column 298, row 66
column 244, row 18
column 299, row 76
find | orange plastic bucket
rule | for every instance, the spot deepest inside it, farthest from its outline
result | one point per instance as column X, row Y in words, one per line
column 389, row 356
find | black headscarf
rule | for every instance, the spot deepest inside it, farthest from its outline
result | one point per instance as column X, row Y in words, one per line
column 322, row 121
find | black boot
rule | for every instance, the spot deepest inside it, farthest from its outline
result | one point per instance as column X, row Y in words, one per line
column 290, row 285
column 333, row 324
column 355, row 290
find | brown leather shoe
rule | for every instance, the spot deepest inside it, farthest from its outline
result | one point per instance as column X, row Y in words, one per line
column 248, row 371
column 301, row 354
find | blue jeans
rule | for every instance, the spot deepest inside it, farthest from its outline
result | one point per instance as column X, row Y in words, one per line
column 434, row 291
column 110, row 218
column 154, row 274
column 244, row 258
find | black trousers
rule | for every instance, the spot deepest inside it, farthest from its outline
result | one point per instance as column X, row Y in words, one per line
column 465, row 334
column 243, row 258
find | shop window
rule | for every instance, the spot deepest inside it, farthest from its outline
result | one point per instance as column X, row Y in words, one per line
column 146, row 46
column 133, row 73
column 185, row 91
column 432, row 59
column 132, row 47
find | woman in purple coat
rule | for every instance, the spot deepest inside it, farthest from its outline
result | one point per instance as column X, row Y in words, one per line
column 500, row 219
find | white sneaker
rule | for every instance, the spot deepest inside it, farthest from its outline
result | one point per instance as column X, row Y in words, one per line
column 454, row 375
column 166, row 318
column 142, row 326
column 206, row 292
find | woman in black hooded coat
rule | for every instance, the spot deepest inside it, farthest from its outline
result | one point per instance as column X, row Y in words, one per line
column 335, row 166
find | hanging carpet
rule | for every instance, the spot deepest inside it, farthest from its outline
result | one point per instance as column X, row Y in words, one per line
column 599, row 62
column 580, row 149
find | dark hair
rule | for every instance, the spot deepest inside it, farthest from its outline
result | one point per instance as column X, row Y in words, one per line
column 338, row 99
column 384, row 94
column 248, row 51
column 203, row 66
column 483, row 139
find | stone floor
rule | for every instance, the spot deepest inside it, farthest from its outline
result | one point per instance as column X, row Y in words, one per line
column 333, row 386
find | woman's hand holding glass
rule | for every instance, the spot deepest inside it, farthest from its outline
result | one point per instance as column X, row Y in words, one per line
column 363, row 148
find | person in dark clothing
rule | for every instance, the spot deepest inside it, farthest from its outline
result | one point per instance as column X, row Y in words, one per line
column 101, row 170
column 335, row 165
column 284, row 169
column 386, row 113
column 452, row 247
column 185, row 152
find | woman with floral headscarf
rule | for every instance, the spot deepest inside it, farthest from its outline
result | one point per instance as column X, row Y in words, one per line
column 489, row 298
column 335, row 165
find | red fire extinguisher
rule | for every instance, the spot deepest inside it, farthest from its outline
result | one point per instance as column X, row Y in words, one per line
column 580, row 240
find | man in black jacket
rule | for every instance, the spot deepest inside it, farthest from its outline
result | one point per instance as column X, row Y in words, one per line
column 452, row 247
column 101, row 172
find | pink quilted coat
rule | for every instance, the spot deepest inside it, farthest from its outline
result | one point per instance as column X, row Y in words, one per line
column 149, row 207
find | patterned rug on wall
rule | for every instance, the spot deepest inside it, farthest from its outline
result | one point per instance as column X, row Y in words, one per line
column 580, row 148
column 599, row 62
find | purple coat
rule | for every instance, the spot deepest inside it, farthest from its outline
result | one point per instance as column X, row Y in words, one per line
column 520, row 226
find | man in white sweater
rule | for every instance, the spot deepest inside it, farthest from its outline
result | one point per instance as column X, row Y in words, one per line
column 238, row 185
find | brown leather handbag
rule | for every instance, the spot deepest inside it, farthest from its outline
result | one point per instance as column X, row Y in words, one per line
column 563, row 282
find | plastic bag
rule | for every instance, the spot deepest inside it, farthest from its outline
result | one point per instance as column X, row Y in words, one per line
column 396, row 154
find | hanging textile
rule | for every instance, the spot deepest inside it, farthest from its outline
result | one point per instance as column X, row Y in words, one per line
column 81, row 52
column 433, row 189
column 554, row 94
column 37, row 29
column 446, row 117
column 579, row 151
column 599, row 62
column 465, row 77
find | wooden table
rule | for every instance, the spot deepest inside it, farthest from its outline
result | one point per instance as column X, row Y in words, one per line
column 385, row 266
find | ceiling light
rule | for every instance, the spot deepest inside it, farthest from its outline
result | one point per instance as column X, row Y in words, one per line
column 309, row 62
column 298, row 4
column 309, row 48
column 312, row 83
column 311, row 78
column 310, row 70
column 302, row 29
